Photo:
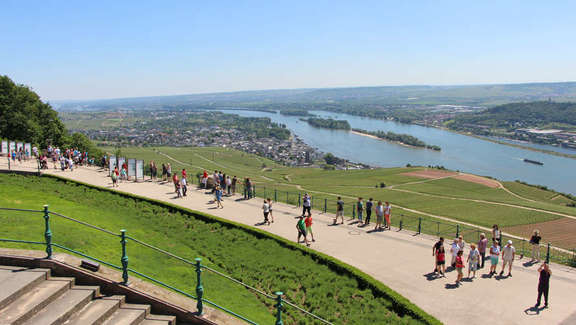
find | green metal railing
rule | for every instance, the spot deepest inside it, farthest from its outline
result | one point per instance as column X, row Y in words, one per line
column 124, row 267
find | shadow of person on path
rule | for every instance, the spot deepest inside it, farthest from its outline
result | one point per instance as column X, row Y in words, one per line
column 533, row 311
column 452, row 286
column 529, row 263
column 487, row 276
column 260, row 223
column 432, row 276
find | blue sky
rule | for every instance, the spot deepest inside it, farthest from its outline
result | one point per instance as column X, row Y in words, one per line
column 111, row 49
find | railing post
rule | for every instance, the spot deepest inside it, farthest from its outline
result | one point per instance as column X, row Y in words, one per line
column 124, row 258
column 38, row 163
column 287, row 197
column 401, row 223
column 9, row 160
column 199, row 287
column 325, row 205
column 438, row 228
column 457, row 230
column 47, row 232
column 419, row 225
column 548, row 253
column 253, row 191
column 523, row 249
column 299, row 199
column 275, row 195
column 353, row 211
column 311, row 202
column 265, row 196
column 279, row 307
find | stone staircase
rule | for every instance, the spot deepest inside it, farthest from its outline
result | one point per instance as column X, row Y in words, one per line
column 32, row 296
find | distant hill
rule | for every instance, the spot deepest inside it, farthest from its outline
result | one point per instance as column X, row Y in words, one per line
column 479, row 95
column 531, row 114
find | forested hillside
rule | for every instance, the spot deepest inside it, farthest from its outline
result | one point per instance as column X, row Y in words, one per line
column 515, row 115
column 24, row 117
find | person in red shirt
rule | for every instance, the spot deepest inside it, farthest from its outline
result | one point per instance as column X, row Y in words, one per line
column 184, row 174
column 441, row 260
column 459, row 266
column 308, row 222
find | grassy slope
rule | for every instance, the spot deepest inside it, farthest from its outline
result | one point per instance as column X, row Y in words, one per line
column 356, row 183
column 306, row 280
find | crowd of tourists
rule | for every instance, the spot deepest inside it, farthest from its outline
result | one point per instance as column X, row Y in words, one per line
column 479, row 252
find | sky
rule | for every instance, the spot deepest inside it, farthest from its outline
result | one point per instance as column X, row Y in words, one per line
column 113, row 49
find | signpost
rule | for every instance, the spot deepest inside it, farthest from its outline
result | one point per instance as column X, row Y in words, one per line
column 131, row 168
column 139, row 169
column 112, row 164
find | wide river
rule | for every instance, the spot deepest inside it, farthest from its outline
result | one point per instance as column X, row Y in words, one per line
column 459, row 152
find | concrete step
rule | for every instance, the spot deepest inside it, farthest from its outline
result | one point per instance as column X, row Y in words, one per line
column 154, row 322
column 165, row 318
column 28, row 304
column 126, row 317
column 17, row 282
column 59, row 310
column 96, row 311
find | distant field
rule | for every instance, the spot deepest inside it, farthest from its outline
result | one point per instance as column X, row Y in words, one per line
column 448, row 197
column 261, row 262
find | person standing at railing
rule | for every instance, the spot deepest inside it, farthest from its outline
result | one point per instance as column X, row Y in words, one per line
column 306, row 204
column 379, row 210
column 339, row 211
column 482, row 244
column 229, row 185
column 454, row 249
column 387, row 214
column 543, row 284
column 369, row 206
column 494, row 255
column 508, row 254
column 234, row 182
column 473, row 260
column 360, row 210
column 435, row 248
column 535, row 242
column 497, row 234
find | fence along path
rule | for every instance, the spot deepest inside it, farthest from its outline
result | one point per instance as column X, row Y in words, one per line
column 400, row 260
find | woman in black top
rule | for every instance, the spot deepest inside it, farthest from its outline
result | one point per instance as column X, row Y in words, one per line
column 535, row 242
column 543, row 284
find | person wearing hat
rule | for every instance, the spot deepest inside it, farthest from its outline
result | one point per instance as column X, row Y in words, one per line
column 508, row 254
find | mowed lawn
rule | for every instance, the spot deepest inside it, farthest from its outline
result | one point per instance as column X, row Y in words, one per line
column 430, row 196
column 263, row 263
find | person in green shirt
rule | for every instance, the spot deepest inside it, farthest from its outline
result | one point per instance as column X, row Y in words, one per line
column 301, row 227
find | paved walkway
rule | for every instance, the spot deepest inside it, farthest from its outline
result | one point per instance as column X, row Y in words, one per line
column 400, row 260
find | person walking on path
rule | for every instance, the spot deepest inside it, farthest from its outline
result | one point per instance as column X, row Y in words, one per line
column 379, row 210
column 169, row 172
column 234, row 181
column 270, row 210
column 543, row 284
column 508, row 254
column 482, row 244
column 308, row 223
column 266, row 210
column 454, row 249
column 115, row 177
column 440, row 257
column 387, row 213
column 459, row 267
column 184, row 173
column 184, row 186
column 360, row 210
column 339, row 211
column 218, row 193
column 494, row 254
column 473, row 260
column 178, row 187
column 435, row 248
column 496, row 234
column 176, row 182
column 301, row 227
column 306, row 204
column 535, row 242
column 369, row 206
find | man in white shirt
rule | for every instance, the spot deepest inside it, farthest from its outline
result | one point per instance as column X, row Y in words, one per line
column 454, row 249
column 508, row 254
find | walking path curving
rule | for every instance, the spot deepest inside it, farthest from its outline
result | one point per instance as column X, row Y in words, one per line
column 400, row 260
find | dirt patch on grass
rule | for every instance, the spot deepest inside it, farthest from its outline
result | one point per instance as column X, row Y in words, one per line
column 558, row 232
column 430, row 173
column 479, row 180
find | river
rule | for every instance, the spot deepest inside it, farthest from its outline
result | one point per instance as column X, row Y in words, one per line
column 459, row 152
